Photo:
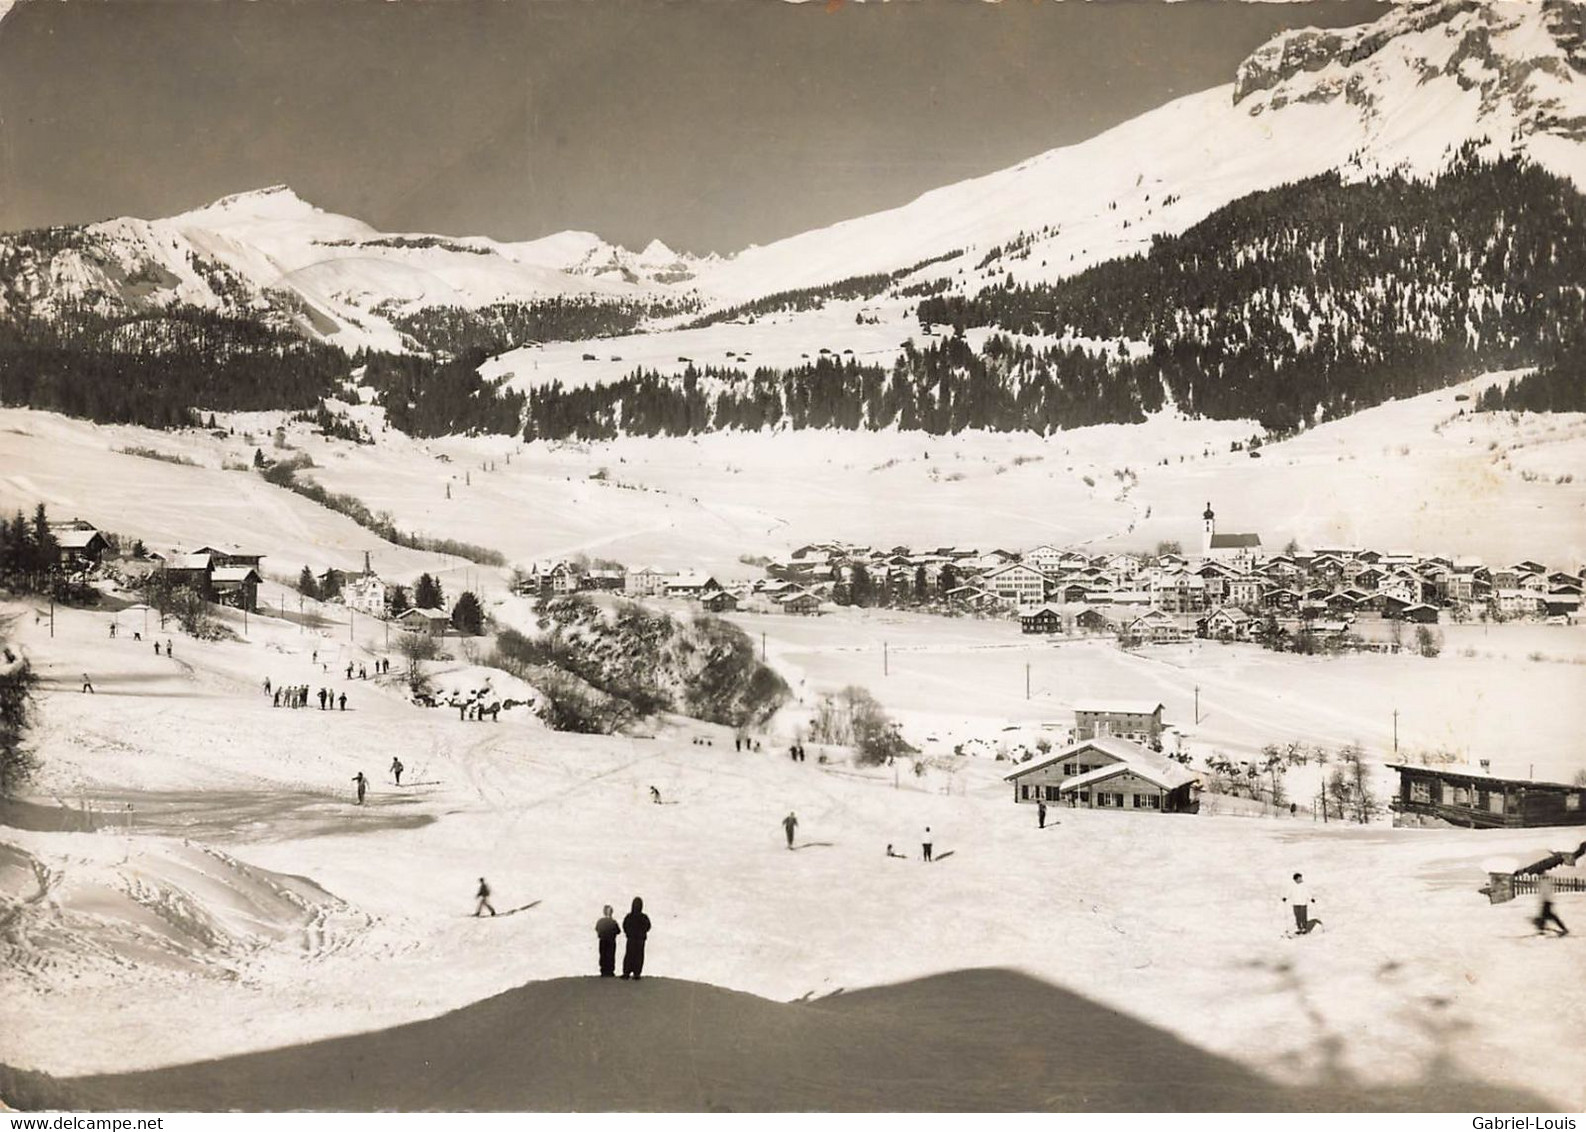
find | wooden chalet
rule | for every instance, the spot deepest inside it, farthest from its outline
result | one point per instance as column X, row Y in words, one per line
column 1475, row 798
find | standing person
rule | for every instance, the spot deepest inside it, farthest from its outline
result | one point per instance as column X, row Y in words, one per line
column 156, row 648
column 1040, row 814
column 322, row 695
column 396, row 769
column 342, row 701
column 606, row 933
column 87, row 684
column 112, row 630
column 276, row 701
column 349, row 670
column 636, row 926
column 789, row 824
column 362, row 784
column 655, row 796
column 1545, row 889
column 483, row 896
column 267, row 685
column 1300, row 899
column 926, row 844
column 169, row 648
column 363, row 672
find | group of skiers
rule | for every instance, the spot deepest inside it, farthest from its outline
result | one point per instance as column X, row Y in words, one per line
column 381, row 667
column 635, row 927
column 796, row 752
column 297, row 696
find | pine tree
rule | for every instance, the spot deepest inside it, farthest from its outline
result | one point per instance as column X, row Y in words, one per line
column 306, row 584
column 467, row 615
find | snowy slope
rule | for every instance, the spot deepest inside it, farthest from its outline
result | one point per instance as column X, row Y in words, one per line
column 1404, row 93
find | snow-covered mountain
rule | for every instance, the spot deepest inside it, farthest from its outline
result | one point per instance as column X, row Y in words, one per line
column 1402, row 94
column 270, row 254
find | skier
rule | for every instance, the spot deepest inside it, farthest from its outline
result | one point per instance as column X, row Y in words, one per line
column 655, row 796
column 789, row 824
column 606, row 932
column 636, row 926
column 343, row 701
column 396, row 769
column 169, row 649
column 87, row 684
column 362, row 783
column 926, row 844
column 276, row 700
column 483, row 896
column 891, row 852
column 156, row 648
column 1040, row 815
column 112, row 630
column 322, row 695
column 267, row 685
column 363, row 672
column 1544, row 889
column 1300, row 899
column 349, row 670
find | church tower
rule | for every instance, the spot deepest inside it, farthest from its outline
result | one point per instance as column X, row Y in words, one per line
column 1208, row 528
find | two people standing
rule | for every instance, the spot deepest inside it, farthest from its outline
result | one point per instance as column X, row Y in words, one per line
column 636, row 927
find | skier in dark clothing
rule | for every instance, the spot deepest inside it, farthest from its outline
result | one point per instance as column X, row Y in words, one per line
column 1545, row 890
column 483, row 896
column 362, row 783
column 396, row 769
column 322, row 695
column 636, row 926
column 349, row 670
column 342, row 701
column 1040, row 815
column 789, row 824
column 606, row 933
column 88, row 685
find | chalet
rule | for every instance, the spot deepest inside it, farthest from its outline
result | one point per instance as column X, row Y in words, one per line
column 189, row 570
column 1016, row 584
column 1107, row 773
column 1137, row 720
column 1516, row 603
column 1090, row 620
column 1072, row 591
column 230, row 556
column 424, row 620
column 609, row 579
column 800, row 601
column 1283, row 599
column 78, row 545
column 1047, row 559
column 331, row 581
column 1229, row 623
column 646, row 581
column 1041, row 619
column 720, row 601
column 1475, row 798
column 1561, row 605
column 1153, row 627
column 236, row 586
column 691, row 584
column 1530, row 567
column 1420, row 614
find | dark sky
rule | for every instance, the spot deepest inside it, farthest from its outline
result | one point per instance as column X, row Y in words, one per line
column 709, row 123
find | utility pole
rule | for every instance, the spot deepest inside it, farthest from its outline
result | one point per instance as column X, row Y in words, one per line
column 884, row 668
column 1027, row 681
column 762, row 646
column 1395, row 730
column 1197, row 705
column 52, row 613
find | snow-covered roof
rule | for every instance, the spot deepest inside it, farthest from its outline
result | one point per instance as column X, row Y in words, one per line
column 691, row 580
column 235, row 574
column 429, row 613
column 1130, row 756
column 1168, row 777
column 187, row 562
column 75, row 538
column 1119, row 707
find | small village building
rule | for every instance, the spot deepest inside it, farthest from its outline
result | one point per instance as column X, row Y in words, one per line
column 801, row 602
column 693, row 584
column 430, row 621
column 1229, row 623
column 1153, row 627
column 1041, row 619
column 78, row 546
column 1139, row 721
column 607, row 579
column 720, row 601
column 1090, row 620
column 1107, row 773
column 237, row 586
column 1473, row 797
column 367, row 594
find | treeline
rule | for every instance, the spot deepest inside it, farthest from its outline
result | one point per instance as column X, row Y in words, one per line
column 500, row 327
column 1320, row 298
column 944, row 388
column 1559, row 387
column 424, row 396
column 157, row 369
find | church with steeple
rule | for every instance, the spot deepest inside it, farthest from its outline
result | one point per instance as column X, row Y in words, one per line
column 1240, row 550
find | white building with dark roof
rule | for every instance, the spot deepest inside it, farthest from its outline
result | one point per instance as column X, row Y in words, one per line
column 1107, row 773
